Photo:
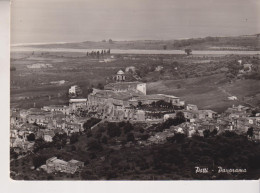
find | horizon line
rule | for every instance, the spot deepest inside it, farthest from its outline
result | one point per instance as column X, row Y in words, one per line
column 63, row 42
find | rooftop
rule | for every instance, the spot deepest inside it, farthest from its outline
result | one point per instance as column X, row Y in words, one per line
column 74, row 161
column 77, row 100
column 115, row 95
column 155, row 97
column 122, row 85
column 59, row 161
column 120, row 72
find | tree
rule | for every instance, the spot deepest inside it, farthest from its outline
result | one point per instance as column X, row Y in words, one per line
column 139, row 104
column 188, row 51
column 130, row 137
column 94, row 145
column 180, row 118
column 179, row 137
column 206, row 133
column 73, row 148
column 214, row 132
column 100, row 86
column 60, row 140
column 88, row 175
column 250, row 132
column 31, row 137
column 128, row 127
column 13, row 154
column 144, row 136
column 113, row 130
column 74, row 138
column 50, row 177
column 165, row 47
column 91, row 122
column 110, row 41
column 104, row 140
column 40, row 144
column 39, row 160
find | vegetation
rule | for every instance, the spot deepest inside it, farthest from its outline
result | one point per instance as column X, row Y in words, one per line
column 188, row 51
column 31, row 137
column 39, row 160
column 91, row 122
column 178, row 119
column 111, row 151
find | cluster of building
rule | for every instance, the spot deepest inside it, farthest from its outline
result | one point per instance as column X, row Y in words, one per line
column 54, row 164
column 118, row 101
column 240, row 118
column 45, row 123
column 246, row 67
column 123, row 100
column 237, row 118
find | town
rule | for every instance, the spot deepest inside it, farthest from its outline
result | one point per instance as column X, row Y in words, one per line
column 121, row 101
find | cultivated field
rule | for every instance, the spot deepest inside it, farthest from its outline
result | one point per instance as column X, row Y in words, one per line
column 208, row 92
column 42, row 78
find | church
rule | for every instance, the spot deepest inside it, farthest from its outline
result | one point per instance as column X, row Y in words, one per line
column 122, row 86
column 119, row 100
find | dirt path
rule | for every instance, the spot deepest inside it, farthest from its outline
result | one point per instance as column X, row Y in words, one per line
column 225, row 92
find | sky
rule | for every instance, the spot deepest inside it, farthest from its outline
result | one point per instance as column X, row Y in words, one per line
column 44, row 21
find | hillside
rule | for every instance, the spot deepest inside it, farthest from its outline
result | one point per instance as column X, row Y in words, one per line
column 210, row 92
column 176, row 159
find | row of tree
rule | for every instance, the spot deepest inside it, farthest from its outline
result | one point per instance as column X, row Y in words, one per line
column 97, row 54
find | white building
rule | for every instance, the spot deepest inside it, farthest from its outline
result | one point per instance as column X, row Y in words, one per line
column 120, row 76
column 232, row 98
column 167, row 116
column 75, row 104
column 75, row 90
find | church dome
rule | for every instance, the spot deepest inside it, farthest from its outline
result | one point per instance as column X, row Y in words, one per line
column 120, row 72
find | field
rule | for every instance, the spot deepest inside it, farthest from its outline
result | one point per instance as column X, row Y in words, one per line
column 42, row 78
column 207, row 92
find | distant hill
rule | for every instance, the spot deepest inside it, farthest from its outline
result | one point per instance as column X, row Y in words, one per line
column 246, row 42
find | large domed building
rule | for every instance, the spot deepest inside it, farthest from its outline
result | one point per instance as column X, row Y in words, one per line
column 120, row 76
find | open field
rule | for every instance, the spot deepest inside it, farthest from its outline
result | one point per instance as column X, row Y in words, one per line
column 139, row 51
column 205, row 92
column 43, row 78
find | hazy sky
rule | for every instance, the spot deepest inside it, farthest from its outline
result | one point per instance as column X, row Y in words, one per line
column 35, row 21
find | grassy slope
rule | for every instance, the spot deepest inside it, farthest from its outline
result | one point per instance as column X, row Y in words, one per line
column 75, row 68
column 205, row 92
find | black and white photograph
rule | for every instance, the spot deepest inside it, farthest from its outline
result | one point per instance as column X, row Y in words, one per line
column 140, row 90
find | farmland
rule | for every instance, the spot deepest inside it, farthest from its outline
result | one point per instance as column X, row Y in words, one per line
column 205, row 92
column 42, row 78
